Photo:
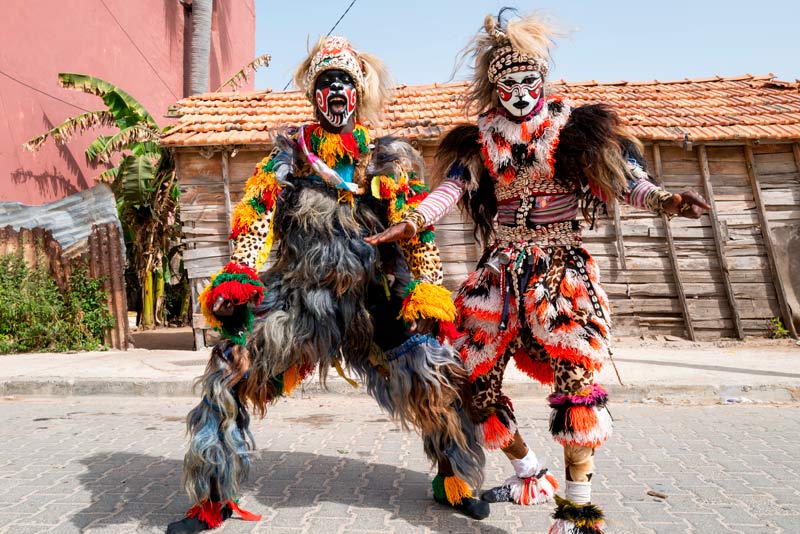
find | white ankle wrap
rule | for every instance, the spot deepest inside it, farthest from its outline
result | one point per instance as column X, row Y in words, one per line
column 527, row 466
column 578, row 492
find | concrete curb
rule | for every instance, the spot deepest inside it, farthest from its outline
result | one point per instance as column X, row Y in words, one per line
column 644, row 393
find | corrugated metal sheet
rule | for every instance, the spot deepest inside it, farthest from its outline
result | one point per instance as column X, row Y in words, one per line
column 70, row 219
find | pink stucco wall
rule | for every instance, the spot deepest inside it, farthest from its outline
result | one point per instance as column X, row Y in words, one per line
column 142, row 51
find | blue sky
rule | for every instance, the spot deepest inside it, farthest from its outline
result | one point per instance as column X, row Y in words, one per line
column 608, row 40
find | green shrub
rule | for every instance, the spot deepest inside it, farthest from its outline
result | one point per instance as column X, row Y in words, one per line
column 35, row 316
column 776, row 328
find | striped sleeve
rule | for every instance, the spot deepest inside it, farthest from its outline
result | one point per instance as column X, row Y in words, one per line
column 441, row 200
column 642, row 193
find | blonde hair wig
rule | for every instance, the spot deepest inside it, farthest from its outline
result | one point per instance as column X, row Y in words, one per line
column 501, row 47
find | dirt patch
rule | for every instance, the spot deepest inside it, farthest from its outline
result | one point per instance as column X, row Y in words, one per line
column 164, row 339
column 316, row 420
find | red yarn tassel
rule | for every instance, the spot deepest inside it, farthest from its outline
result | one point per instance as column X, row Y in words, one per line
column 244, row 514
column 448, row 331
column 208, row 512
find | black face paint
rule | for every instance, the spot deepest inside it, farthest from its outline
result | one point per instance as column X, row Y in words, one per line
column 335, row 96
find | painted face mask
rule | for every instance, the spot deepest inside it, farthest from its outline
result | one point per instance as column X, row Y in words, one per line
column 520, row 92
column 336, row 95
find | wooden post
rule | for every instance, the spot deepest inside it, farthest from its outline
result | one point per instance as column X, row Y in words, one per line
column 226, row 190
column 117, row 275
column 673, row 256
column 621, row 247
column 105, row 270
column 766, row 233
column 716, row 227
column 199, row 336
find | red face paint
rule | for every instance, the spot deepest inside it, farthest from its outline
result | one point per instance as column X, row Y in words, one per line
column 519, row 92
column 322, row 99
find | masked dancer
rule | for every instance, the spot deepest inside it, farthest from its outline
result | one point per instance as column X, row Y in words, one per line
column 330, row 300
column 523, row 173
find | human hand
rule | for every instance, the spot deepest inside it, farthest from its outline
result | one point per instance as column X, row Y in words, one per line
column 225, row 307
column 396, row 232
column 687, row 204
column 222, row 307
column 421, row 326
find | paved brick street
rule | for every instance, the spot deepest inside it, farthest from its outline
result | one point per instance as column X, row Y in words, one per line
column 333, row 464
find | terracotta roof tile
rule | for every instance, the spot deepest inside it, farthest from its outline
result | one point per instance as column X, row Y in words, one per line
column 713, row 108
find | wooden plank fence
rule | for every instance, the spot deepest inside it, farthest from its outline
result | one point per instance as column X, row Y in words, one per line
column 724, row 275
column 103, row 259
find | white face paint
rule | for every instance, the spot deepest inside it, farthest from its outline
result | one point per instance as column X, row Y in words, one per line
column 519, row 92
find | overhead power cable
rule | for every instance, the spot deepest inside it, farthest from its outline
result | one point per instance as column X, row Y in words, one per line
column 121, row 27
column 29, row 86
column 330, row 31
column 340, row 19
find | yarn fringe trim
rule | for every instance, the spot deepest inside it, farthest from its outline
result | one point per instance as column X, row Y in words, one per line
column 538, row 489
column 424, row 300
column 539, row 370
column 260, row 193
column 571, row 518
column 239, row 284
column 210, row 512
column 334, row 148
column 451, row 488
column 494, row 434
column 581, row 418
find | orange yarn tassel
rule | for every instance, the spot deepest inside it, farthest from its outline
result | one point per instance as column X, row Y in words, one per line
column 291, row 378
column 582, row 418
column 456, row 490
column 208, row 512
column 539, row 371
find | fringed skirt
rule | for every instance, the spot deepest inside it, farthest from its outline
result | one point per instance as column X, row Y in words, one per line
column 547, row 311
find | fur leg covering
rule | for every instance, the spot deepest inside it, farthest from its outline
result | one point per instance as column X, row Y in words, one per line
column 580, row 418
column 422, row 390
column 220, row 441
column 314, row 309
column 572, row 518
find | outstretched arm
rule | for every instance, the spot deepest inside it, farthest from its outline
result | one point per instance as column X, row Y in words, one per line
column 224, row 302
column 435, row 206
column 644, row 194
column 596, row 149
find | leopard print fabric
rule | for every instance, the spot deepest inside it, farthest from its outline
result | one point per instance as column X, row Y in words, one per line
column 424, row 261
column 557, row 336
column 487, row 389
column 570, row 378
column 248, row 247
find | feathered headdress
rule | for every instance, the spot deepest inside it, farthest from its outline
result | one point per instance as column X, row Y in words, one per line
column 503, row 47
column 367, row 71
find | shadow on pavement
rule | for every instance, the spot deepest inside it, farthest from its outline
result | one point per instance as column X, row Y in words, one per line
column 704, row 367
column 136, row 488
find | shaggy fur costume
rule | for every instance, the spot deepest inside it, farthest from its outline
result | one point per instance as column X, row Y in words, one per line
column 329, row 303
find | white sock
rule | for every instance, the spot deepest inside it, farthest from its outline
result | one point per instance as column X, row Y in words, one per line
column 527, row 466
column 579, row 492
